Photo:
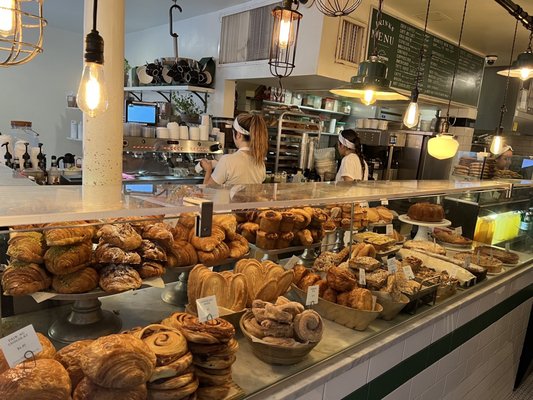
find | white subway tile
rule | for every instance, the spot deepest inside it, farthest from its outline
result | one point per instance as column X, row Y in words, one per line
column 344, row 384
column 385, row 360
column 400, row 393
column 485, row 303
column 444, row 326
column 434, row 392
column 448, row 363
column 417, row 342
column 424, row 380
column 485, row 336
column 455, row 377
column 475, row 361
column 467, row 313
column 468, row 349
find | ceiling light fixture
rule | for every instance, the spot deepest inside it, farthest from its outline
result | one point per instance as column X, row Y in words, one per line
column 21, row 31
column 92, row 92
column 337, row 8
column 444, row 146
column 497, row 141
column 523, row 66
column 412, row 114
column 371, row 83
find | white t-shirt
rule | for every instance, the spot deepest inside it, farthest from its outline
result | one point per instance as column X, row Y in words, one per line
column 238, row 168
column 351, row 167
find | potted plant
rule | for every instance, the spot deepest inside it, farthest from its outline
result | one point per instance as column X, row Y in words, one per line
column 186, row 107
column 127, row 68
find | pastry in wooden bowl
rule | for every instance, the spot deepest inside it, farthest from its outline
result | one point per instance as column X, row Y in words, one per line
column 340, row 279
column 367, row 263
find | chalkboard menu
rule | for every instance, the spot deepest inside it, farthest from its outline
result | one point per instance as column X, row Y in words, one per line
column 399, row 44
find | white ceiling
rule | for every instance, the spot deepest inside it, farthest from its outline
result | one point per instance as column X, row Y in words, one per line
column 488, row 28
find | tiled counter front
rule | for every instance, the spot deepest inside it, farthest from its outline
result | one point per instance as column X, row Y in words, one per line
column 467, row 349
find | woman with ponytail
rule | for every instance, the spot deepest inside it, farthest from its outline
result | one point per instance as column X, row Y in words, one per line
column 247, row 164
column 353, row 166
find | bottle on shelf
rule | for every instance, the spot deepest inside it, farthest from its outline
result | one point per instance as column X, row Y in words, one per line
column 299, row 176
column 42, row 158
column 53, row 172
column 7, row 156
column 26, row 157
column 16, row 164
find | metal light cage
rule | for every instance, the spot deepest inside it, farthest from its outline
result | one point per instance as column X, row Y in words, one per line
column 284, row 41
column 523, row 66
column 337, row 8
column 25, row 40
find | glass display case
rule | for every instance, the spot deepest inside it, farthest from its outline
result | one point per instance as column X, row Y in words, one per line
column 68, row 317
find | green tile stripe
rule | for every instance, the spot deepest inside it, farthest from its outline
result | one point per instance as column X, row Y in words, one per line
column 412, row 366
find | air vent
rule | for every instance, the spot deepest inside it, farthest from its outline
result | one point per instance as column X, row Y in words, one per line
column 246, row 36
column 349, row 42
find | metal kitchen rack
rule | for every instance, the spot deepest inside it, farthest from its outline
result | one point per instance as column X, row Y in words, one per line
column 165, row 91
column 285, row 150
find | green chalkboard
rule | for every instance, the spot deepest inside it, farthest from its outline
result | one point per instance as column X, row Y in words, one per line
column 399, row 44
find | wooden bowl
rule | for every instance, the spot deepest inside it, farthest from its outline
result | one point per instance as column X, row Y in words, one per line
column 390, row 308
column 347, row 316
column 275, row 354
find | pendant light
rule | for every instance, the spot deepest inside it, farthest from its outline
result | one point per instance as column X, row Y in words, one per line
column 497, row 141
column 92, row 92
column 523, row 66
column 412, row 114
column 371, row 83
column 21, row 31
column 444, row 146
column 337, row 8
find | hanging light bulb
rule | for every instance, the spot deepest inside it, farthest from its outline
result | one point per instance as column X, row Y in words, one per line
column 284, row 39
column 92, row 92
column 369, row 97
column 412, row 114
column 525, row 73
column 7, row 17
column 443, row 147
column 496, row 145
column 523, row 66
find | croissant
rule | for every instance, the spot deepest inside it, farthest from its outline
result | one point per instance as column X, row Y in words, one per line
column 61, row 260
column 219, row 253
column 21, row 278
column 210, row 242
column 228, row 223
column 150, row 269
column 68, row 234
column 87, row 390
column 107, row 254
column 118, row 361
column 188, row 220
column 119, row 278
column 81, row 281
column 181, row 254
column 158, row 231
column 27, row 247
column 36, row 379
column 152, row 251
column 120, row 235
column 180, row 232
column 238, row 247
column 69, row 357
column 302, row 218
column 48, row 350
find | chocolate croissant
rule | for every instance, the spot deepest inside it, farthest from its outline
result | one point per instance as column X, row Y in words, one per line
column 21, row 278
column 62, row 260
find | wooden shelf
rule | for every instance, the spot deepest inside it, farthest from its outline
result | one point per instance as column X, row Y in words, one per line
column 320, row 110
column 169, row 88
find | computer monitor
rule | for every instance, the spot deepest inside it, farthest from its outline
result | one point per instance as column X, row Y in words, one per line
column 141, row 112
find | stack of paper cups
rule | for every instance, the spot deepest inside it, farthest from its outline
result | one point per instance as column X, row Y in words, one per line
column 174, row 130
column 204, row 132
column 184, row 132
column 194, row 133
column 205, row 119
column 162, row 133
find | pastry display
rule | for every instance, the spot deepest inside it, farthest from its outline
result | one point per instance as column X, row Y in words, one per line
column 62, row 260
column 449, row 236
column 425, row 245
column 381, row 243
column 367, row 263
column 506, row 257
column 69, row 356
column 27, row 246
column 22, row 278
column 426, row 212
column 340, row 279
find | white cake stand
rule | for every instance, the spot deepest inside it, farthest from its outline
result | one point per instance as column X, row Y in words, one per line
column 424, row 228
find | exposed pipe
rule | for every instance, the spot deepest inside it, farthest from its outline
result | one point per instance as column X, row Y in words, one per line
column 518, row 12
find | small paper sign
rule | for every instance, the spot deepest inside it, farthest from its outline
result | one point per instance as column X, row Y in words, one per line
column 459, row 231
column 384, row 202
column 210, row 268
column 466, row 262
column 154, row 282
column 292, row 262
column 39, row 297
column 374, row 300
column 312, row 295
column 364, row 204
column 408, row 272
column 362, row 277
column 20, row 345
column 391, row 265
column 389, row 230
column 207, row 308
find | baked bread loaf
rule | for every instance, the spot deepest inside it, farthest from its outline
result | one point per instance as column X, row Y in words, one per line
column 87, row 390
column 118, row 361
column 62, row 260
column 69, row 233
column 107, row 254
column 69, row 356
column 119, row 278
column 122, row 236
column 81, row 281
column 44, row 379
column 150, row 269
column 22, row 278
column 27, row 246
column 426, row 212
column 216, row 331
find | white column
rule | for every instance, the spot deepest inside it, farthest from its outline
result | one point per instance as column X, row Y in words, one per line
column 102, row 135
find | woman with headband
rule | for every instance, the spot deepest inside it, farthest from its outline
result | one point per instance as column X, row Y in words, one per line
column 247, row 164
column 353, row 166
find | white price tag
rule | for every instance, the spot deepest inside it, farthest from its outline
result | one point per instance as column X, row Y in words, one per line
column 459, row 231
column 207, row 308
column 408, row 272
column 312, row 295
column 391, row 265
column 335, row 211
column 362, row 277
column 39, row 297
column 364, row 204
column 210, row 269
column 384, row 202
column 20, row 345
column 292, row 262
column 466, row 262
column 389, row 230
column 374, row 300
column 508, row 246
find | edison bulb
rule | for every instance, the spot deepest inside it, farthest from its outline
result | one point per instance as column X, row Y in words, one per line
column 7, row 17
column 369, row 97
column 496, row 145
column 92, row 92
column 525, row 73
column 412, row 115
column 284, row 31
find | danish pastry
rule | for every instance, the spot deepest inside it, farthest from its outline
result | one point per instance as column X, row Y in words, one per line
column 120, row 235
column 287, row 221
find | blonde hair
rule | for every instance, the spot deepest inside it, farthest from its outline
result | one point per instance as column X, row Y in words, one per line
column 258, row 138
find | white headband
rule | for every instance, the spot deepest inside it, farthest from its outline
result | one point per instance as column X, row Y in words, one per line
column 239, row 128
column 346, row 143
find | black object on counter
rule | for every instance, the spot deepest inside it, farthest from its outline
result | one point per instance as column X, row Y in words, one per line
column 8, row 156
column 68, row 161
column 26, row 157
column 41, row 158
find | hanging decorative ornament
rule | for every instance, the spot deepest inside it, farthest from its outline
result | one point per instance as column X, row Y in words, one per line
column 337, row 8
column 21, row 31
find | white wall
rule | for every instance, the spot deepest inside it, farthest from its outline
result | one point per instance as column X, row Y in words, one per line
column 36, row 92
